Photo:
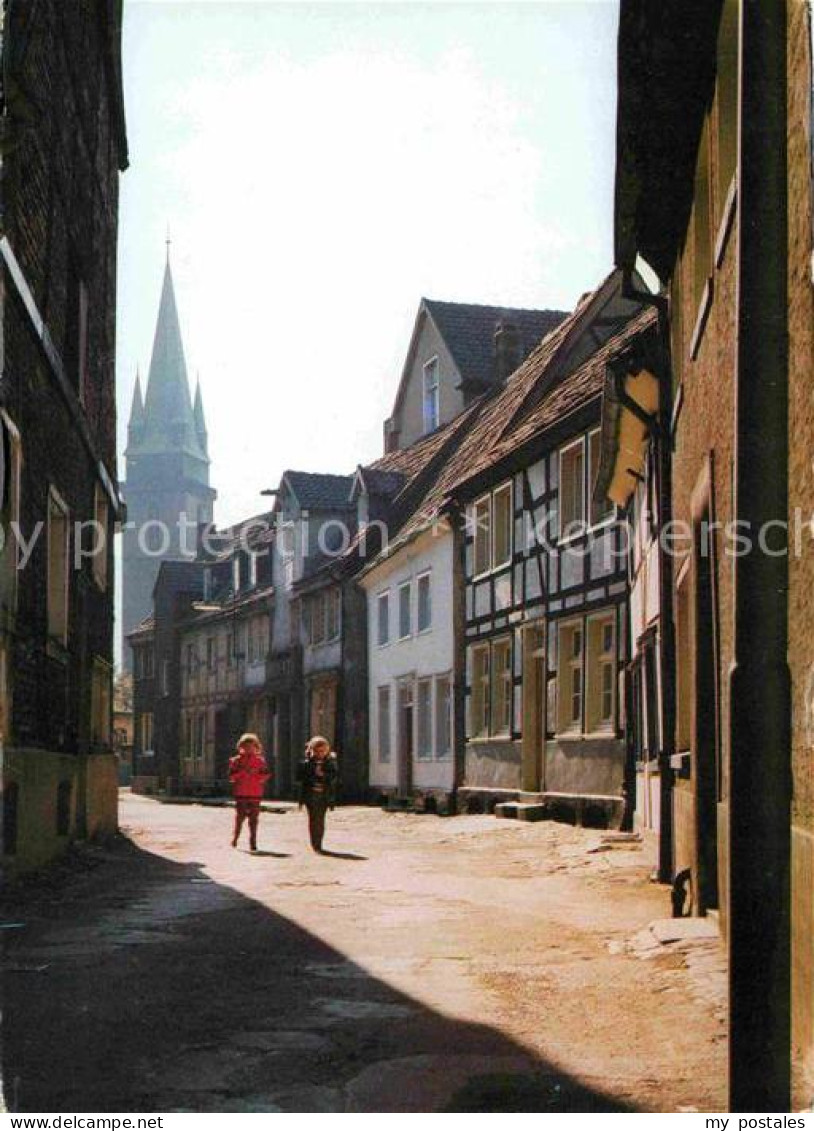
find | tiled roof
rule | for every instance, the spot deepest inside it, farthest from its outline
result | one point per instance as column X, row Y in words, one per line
column 381, row 482
column 143, row 628
column 320, row 491
column 576, row 390
column 493, row 435
column 468, row 329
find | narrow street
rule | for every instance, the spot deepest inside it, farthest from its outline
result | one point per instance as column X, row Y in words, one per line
column 428, row 964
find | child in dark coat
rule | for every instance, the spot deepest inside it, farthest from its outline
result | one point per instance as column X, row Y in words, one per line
column 317, row 774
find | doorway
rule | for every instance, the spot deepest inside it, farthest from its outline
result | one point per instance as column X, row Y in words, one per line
column 533, row 707
column 705, row 729
column 406, row 741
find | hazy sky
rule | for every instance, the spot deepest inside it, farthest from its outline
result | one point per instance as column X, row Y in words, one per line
column 321, row 167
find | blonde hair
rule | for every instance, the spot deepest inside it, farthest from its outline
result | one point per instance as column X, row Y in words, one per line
column 317, row 740
column 246, row 739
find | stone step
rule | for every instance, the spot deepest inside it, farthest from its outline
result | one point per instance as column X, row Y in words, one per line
column 520, row 811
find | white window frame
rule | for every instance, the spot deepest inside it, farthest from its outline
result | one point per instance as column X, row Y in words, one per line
column 408, row 586
column 503, row 489
column 425, row 577
column 485, row 690
column 383, row 598
column 575, row 533
column 610, row 517
column 431, row 386
column 592, row 723
column 565, row 693
column 501, row 679
column 426, row 752
column 478, row 533
column 444, row 679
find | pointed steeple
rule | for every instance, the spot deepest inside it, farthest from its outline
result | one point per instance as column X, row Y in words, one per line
column 200, row 419
column 169, row 420
column 135, row 425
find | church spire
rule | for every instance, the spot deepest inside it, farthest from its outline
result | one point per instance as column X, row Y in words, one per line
column 200, row 419
column 136, row 422
column 169, row 420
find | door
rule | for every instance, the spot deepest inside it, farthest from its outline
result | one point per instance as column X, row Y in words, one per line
column 224, row 743
column 705, row 736
column 533, row 707
column 406, row 739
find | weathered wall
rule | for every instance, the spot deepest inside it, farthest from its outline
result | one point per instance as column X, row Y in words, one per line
column 64, row 147
column 801, row 565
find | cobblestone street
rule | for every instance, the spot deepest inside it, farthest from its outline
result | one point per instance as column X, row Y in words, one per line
column 424, row 964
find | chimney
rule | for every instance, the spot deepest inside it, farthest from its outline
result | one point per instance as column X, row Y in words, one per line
column 508, row 353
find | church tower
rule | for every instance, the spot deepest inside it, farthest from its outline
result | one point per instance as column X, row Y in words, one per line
column 167, row 468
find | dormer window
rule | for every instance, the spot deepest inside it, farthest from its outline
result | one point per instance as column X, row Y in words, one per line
column 431, row 395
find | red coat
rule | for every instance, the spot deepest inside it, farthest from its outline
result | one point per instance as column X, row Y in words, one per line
column 248, row 774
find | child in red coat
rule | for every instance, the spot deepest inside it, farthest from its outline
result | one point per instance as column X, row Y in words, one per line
column 248, row 773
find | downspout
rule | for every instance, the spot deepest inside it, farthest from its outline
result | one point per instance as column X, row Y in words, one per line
column 759, row 763
column 667, row 634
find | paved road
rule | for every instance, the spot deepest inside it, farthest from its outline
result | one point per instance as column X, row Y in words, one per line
column 430, row 964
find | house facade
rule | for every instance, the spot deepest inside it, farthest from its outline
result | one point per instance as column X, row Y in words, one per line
column 411, row 643
column 58, row 425
column 714, row 193
column 458, row 352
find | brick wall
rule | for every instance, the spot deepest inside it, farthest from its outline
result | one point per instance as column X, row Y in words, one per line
column 60, row 190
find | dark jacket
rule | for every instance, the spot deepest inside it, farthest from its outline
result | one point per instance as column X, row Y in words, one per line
column 314, row 783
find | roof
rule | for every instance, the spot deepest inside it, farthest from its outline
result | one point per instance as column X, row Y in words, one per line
column 468, row 329
column 505, row 418
column 318, row 490
column 144, row 628
column 666, row 75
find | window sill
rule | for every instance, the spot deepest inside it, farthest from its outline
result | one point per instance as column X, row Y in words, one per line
column 727, row 218
column 704, row 308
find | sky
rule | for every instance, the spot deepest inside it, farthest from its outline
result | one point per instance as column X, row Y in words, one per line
column 320, row 168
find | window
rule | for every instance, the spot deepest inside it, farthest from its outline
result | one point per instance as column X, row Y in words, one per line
column 211, row 653
column 431, row 395
column 383, row 618
column 700, row 226
column 601, row 672
column 479, row 722
column 236, row 573
column 189, row 736
column 100, row 702
column 405, row 611
column 165, row 677
column 602, row 509
column 482, row 533
column 424, row 705
column 315, row 619
column 333, row 614
column 57, row 568
column 384, row 724
column 147, row 733
column 502, row 696
column 201, row 744
column 230, row 650
column 570, row 676
column 10, row 512
column 572, row 494
column 101, row 535
column 503, row 520
column 443, row 716
column 424, row 603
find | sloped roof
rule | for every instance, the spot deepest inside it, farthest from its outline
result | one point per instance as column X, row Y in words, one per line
column 468, row 329
column 318, row 490
column 143, row 628
column 504, row 418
